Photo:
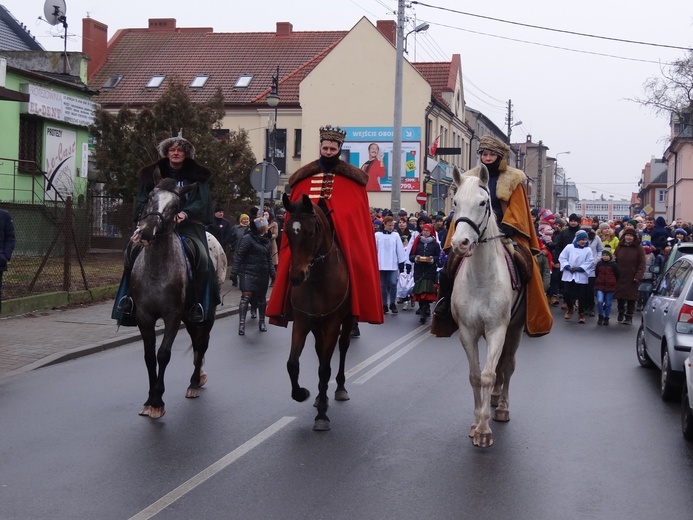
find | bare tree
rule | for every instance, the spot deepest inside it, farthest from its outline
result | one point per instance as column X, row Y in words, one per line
column 672, row 93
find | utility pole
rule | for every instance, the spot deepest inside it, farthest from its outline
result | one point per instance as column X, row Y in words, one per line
column 509, row 118
column 395, row 193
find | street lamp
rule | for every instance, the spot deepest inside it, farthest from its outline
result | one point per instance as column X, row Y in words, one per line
column 273, row 101
column 395, row 194
column 419, row 28
column 510, row 127
column 565, row 195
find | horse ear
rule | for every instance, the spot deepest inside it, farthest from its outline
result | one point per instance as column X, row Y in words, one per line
column 484, row 175
column 456, row 176
column 185, row 189
column 156, row 175
column 307, row 204
column 286, row 202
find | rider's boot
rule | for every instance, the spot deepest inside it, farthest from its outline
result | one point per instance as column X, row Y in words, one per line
column 446, row 281
column 196, row 314
column 262, row 307
column 242, row 312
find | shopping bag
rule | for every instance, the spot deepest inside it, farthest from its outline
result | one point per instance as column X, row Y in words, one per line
column 405, row 284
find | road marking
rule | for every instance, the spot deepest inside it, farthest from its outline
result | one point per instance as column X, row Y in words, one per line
column 375, row 357
column 210, row 471
column 365, row 377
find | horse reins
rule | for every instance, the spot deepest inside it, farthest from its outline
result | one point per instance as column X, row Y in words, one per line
column 477, row 227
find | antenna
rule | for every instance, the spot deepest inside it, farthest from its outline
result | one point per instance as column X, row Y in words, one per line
column 55, row 13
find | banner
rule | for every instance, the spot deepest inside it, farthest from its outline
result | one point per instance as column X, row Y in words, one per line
column 61, row 153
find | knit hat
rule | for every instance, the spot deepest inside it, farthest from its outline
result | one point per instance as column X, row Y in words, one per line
column 580, row 235
column 429, row 227
column 606, row 252
column 243, row 215
column 178, row 141
column 218, row 207
column 573, row 218
column 680, row 231
column 632, row 222
column 546, row 215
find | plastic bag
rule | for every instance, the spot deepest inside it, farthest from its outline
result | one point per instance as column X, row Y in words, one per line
column 405, row 284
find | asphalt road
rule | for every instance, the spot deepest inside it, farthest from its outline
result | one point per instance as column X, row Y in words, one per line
column 588, row 437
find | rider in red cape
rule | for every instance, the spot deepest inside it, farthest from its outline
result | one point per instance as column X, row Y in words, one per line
column 340, row 190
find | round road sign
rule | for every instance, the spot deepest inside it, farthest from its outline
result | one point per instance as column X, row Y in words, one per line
column 421, row 197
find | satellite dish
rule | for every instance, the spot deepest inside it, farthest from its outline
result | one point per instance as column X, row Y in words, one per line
column 54, row 11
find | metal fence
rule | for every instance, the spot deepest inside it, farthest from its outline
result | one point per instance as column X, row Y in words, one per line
column 62, row 245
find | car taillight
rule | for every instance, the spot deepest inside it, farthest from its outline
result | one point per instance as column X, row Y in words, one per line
column 684, row 324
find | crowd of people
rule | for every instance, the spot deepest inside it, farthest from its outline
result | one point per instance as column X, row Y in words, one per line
column 593, row 263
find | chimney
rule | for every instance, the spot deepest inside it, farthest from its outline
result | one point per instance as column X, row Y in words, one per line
column 94, row 45
column 284, row 29
column 388, row 28
column 162, row 24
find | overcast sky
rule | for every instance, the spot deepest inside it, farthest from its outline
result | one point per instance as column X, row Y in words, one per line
column 568, row 98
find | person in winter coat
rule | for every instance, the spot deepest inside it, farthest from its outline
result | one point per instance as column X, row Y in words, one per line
column 660, row 234
column 609, row 238
column 544, row 260
column 424, row 253
column 272, row 234
column 7, row 241
column 221, row 229
column 650, row 260
column 630, row 258
column 607, row 274
column 545, row 229
column 237, row 233
column 576, row 263
column 252, row 270
column 596, row 246
column 391, row 257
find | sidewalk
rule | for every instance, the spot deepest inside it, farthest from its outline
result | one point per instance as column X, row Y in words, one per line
column 47, row 337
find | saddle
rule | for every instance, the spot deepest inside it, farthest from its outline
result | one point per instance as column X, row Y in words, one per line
column 520, row 263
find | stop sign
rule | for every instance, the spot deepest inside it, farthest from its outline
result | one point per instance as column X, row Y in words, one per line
column 421, row 197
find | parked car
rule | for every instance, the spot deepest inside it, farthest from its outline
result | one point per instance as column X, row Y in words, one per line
column 665, row 336
column 684, row 248
column 686, row 403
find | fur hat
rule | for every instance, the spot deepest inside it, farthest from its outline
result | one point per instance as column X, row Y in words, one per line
column 178, row 141
column 492, row 144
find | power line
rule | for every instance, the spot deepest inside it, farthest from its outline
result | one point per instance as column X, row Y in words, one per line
column 549, row 46
column 574, row 33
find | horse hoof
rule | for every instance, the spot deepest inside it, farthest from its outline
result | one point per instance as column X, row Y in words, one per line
column 317, row 399
column 501, row 415
column 495, row 399
column 203, row 378
column 472, row 431
column 153, row 412
column 192, row 392
column 341, row 395
column 321, row 425
column 483, row 440
column 300, row 395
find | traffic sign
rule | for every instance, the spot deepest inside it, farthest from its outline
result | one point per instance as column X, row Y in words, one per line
column 264, row 177
column 421, row 197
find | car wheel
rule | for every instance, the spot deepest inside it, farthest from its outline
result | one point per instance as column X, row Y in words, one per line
column 686, row 415
column 643, row 359
column 668, row 387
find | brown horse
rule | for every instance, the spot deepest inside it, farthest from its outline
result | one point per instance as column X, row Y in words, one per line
column 320, row 298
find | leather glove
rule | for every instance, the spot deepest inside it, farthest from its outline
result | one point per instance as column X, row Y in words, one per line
column 507, row 230
column 568, row 268
column 578, row 270
column 408, row 268
column 234, row 280
column 401, row 267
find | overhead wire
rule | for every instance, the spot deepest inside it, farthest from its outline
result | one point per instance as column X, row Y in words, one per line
column 563, row 31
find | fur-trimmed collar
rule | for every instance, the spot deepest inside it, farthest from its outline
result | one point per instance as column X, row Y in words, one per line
column 342, row 168
column 193, row 171
column 508, row 180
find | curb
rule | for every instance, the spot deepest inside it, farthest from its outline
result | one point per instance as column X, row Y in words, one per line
column 100, row 346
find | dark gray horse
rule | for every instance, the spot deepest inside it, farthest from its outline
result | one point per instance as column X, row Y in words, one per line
column 159, row 288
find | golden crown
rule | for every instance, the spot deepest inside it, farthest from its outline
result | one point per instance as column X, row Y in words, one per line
column 332, row 133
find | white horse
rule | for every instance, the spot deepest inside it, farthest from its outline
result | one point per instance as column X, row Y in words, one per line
column 484, row 303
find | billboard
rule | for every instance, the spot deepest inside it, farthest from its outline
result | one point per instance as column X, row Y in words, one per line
column 61, row 148
column 370, row 149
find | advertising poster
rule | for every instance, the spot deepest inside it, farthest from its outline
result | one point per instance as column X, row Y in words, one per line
column 370, row 149
column 61, row 153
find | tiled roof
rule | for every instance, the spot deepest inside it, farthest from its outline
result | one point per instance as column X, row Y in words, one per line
column 14, row 36
column 138, row 54
column 440, row 75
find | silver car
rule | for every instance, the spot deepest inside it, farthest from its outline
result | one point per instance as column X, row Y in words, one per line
column 687, row 400
column 665, row 336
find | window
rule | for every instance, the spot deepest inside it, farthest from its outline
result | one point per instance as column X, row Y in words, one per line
column 156, row 81
column 112, row 81
column 662, row 195
column 243, row 81
column 199, row 81
column 279, row 150
column 30, row 144
column 298, row 137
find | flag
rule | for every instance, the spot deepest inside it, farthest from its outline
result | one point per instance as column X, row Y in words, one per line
column 434, row 147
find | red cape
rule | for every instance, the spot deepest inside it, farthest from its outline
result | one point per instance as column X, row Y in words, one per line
column 350, row 213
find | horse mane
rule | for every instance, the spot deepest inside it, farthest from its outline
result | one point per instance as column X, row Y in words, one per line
column 167, row 184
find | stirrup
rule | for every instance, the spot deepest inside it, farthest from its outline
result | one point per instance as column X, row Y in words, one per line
column 125, row 305
column 442, row 308
column 196, row 313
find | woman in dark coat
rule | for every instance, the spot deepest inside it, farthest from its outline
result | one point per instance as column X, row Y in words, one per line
column 252, row 263
column 424, row 254
column 630, row 259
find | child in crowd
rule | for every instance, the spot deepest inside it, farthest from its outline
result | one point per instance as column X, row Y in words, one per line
column 576, row 263
column 605, row 284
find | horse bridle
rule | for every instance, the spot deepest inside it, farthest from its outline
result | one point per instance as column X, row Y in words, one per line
column 319, row 257
column 477, row 227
